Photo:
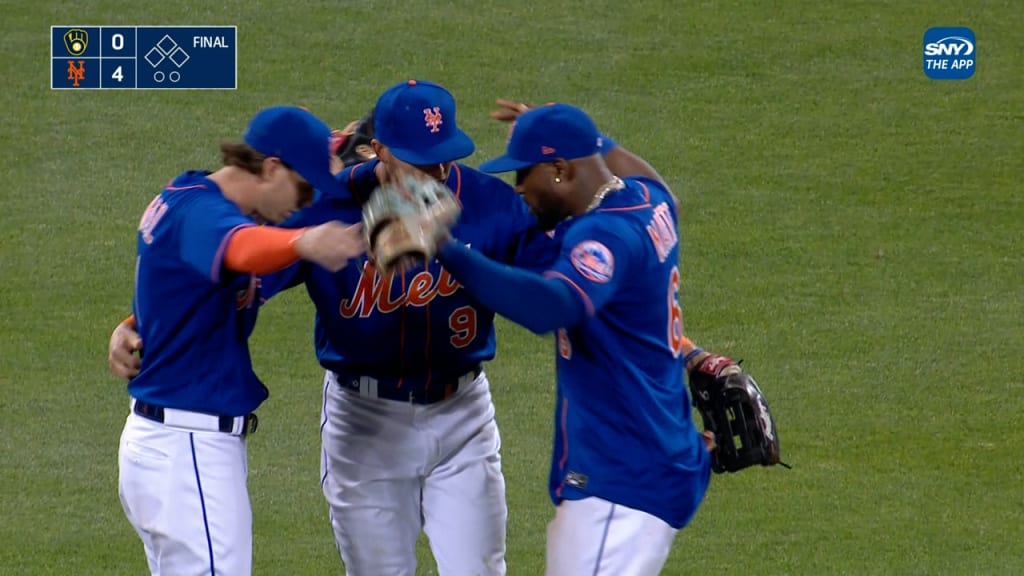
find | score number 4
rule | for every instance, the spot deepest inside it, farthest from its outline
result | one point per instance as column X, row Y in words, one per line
column 117, row 43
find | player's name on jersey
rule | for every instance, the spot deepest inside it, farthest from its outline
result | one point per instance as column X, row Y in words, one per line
column 144, row 57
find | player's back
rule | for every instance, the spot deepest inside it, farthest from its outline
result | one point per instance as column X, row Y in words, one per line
column 624, row 430
column 193, row 316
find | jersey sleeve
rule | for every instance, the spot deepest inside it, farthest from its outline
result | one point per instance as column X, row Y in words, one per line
column 359, row 180
column 594, row 259
column 277, row 282
column 207, row 223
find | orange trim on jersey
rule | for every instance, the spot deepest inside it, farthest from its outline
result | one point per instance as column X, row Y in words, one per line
column 646, row 204
column 647, row 193
column 401, row 333
column 586, row 299
column 426, row 353
column 458, row 179
column 261, row 249
column 351, row 176
column 626, row 208
column 170, row 188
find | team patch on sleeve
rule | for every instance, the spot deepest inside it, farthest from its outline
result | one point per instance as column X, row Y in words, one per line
column 593, row 260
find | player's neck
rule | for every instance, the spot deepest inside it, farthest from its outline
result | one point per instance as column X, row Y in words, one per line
column 239, row 186
column 602, row 183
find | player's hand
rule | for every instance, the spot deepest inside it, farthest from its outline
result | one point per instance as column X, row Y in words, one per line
column 709, row 440
column 121, row 358
column 509, row 110
column 331, row 245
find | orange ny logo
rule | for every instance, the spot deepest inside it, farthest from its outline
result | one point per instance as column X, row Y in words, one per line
column 76, row 74
column 432, row 118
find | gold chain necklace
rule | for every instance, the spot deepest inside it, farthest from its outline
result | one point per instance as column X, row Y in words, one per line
column 612, row 185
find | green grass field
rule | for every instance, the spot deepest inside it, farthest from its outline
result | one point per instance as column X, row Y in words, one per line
column 852, row 229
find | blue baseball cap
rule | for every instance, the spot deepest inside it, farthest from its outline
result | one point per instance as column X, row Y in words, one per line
column 544, row 134
column 416, row 121
column 300, row 140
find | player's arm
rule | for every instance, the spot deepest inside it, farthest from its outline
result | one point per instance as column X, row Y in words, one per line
column 560, row 298
column 360, row 180
column 623, row 163
column 533, row 301
column 124, row 343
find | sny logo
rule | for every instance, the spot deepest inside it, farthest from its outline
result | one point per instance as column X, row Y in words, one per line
column 949, row 53
column 76, row 74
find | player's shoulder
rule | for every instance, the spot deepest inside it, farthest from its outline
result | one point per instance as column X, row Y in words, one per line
column 481, row 186
column 655, row 190
column 190, row 184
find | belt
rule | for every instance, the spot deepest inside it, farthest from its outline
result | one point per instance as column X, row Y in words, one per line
column 234, row 425
column 408, row 389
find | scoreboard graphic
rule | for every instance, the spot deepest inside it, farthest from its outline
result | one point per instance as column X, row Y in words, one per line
column 144, row 57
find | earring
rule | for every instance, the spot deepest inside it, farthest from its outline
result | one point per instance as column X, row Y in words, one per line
column 557, row 179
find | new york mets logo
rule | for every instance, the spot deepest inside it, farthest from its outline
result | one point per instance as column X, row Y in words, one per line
column 432, row 119
column 76, row 74
column 594, row 261
column 373, row 293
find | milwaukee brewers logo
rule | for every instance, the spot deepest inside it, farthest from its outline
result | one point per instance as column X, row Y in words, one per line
column 76, row 41
column 432, row 119
column 76, row 74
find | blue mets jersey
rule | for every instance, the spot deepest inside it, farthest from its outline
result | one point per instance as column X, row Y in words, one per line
column 623, row 423
column 193, row 315
column 418, row 327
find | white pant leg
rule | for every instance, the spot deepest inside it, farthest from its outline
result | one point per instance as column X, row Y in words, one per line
column 372, row 462
column 594, row 537
column 464, row 492
column 185, row 494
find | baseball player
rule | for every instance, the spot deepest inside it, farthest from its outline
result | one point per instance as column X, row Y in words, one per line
column 409, row 438
column 612, row 299
column 182, row 456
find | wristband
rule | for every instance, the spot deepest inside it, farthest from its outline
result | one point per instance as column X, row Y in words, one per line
column 693, row 354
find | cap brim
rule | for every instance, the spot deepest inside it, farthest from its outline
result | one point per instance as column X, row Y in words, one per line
column 324, row 184
column 457, row 147
column 503, row 164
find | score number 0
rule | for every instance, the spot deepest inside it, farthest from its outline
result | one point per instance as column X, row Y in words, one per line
column 117, row 43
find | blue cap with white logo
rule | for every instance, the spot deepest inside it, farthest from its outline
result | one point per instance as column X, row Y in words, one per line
column 299, row 139
column 416, row 121
column 544, row 134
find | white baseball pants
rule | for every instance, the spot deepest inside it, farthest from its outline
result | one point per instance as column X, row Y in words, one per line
column 185, row 493
column 594, row 537
column 391, row 469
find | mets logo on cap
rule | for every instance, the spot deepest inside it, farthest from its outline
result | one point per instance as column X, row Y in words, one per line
column 594, row 261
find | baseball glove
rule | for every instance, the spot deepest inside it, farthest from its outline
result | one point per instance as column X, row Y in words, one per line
column 405, row 221
column 352, row 143
column 736, row 412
